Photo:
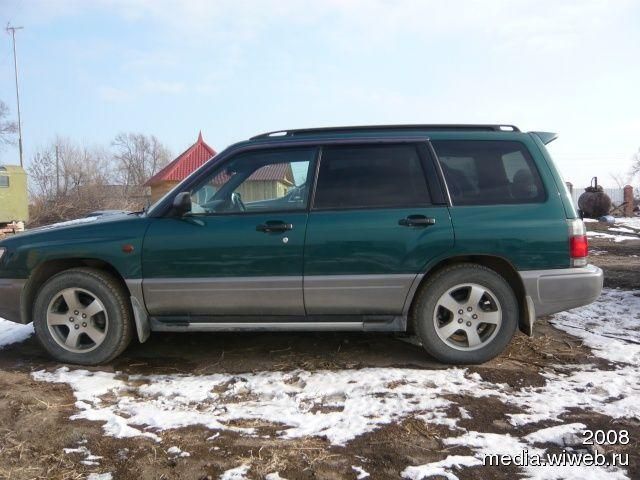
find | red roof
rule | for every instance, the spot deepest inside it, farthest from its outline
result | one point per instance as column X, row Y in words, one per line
column 280, row 172
column 191, row 159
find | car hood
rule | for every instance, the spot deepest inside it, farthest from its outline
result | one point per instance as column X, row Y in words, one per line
column 71, row 226
column 80, row 222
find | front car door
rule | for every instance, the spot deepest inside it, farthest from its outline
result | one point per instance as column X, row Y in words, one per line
column 374, row 225
column 239, row 252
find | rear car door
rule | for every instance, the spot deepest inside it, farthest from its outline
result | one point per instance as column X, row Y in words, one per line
column 378, row 217
column 240, row 249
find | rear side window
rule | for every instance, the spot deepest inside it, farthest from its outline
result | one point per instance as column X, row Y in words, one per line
column 371, row 177
column 489, row 172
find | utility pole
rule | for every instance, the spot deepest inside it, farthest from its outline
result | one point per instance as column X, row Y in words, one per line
column 12, row 30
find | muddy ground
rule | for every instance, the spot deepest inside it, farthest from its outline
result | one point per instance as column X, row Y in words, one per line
column 35, row 425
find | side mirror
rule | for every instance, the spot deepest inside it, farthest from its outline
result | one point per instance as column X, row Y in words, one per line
column 182, row 203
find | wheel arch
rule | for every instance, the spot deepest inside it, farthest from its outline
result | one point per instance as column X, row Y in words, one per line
column 44, row 271
column 498, row 264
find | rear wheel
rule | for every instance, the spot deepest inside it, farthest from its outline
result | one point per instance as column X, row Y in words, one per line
column 83, row 316
column 465, row 314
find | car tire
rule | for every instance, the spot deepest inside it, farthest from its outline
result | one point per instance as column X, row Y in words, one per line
column 83, row 316
column 465, row 314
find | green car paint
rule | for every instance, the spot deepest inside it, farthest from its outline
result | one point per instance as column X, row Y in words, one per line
column 530, row 236
column 228, row 245
column 100, row 238
column 321, row 244
column 361, row 242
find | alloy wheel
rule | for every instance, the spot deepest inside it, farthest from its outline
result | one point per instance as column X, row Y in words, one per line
column 467, row 316
column 77, row 320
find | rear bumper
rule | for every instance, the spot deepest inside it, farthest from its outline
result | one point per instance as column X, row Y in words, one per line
column 10, row 291
column 561, row 289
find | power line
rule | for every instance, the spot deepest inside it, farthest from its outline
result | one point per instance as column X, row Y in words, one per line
column 12, row 31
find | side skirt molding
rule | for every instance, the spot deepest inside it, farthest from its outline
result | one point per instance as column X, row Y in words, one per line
column 282, row 324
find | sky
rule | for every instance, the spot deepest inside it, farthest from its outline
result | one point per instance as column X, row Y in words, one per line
column 90, row 69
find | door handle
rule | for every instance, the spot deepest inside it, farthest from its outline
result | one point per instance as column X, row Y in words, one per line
column 274, row 226
column 417, row 221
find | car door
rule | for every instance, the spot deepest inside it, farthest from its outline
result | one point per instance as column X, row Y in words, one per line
column 373, row 227
column 240, row 249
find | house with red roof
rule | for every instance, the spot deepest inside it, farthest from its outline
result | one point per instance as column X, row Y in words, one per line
column 191, row 159
column 270, row 181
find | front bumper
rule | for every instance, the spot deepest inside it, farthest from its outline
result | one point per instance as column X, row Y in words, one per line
column 10, row 291
column 556, row 290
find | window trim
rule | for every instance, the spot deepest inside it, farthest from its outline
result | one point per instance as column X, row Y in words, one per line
column 422, row 161
column 164, row 206
column 524, row 147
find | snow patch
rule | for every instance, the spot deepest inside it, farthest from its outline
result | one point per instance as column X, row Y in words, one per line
column 238, row 473
column 561, row 435
column 484, row 444
column 338, row 405
column 615, row 238
column 610, row 325
column 633, row 222
column 274, row 476
column 100, row 476
column 11, row 332
column 621, row 229
column 89, row 459
column 360, row 472
column 177, row 452
column 442, row 468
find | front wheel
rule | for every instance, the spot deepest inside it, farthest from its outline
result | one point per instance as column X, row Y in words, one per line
column 465, row 314
column 83, row 316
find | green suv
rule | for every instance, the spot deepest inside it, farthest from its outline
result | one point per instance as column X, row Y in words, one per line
column 460, row 234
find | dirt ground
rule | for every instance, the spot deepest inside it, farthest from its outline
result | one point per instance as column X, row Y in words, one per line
column 35, row 426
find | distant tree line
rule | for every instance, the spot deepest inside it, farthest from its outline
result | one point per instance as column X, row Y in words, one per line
column 635, row 165
column 69, row 180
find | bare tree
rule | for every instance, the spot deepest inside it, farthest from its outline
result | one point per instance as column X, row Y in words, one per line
column 635, row 164
column 69, row 180
column 79, row 182
column 138, row 157
column 8, row 128
column 621, row 179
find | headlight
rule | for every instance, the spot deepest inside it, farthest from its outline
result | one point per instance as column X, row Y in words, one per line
column 2, row 250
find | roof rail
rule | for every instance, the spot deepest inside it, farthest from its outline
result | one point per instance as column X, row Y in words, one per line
column 364, row 128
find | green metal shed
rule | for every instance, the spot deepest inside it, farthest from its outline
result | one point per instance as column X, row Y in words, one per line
column 14, row 200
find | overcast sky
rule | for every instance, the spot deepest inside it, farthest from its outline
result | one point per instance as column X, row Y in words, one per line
column 91, row 69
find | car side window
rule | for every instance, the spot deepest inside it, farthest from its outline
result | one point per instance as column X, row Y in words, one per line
column 378, row 176
column 262, row 181
column 489, row 172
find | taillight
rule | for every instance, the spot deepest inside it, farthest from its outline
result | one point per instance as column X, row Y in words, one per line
column 578, row 243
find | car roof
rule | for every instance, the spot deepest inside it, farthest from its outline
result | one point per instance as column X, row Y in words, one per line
column 378, row 129
column 430, row 131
